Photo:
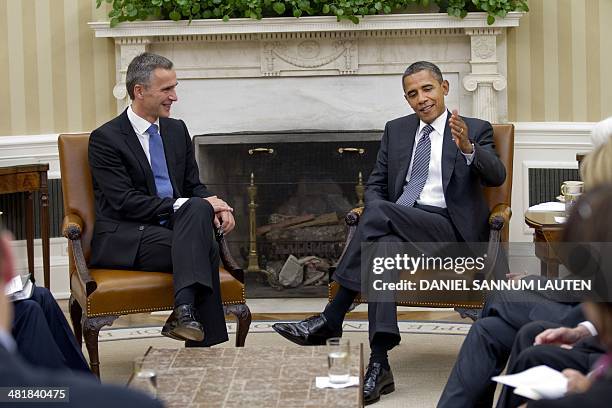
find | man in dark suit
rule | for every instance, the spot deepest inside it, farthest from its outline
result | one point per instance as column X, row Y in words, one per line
column 545, row 343
column 83, row 390
column 152, row 211
column 42, row 334
column 426, row 186
column 489, row 343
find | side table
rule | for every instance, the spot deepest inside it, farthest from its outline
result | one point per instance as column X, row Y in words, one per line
column 27, row 179
column 547, row 232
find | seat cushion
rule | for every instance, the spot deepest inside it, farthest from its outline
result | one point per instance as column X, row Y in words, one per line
column 122, row 292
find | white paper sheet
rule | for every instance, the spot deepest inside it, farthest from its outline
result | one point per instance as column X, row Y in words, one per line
column 552, row 206
column 541, row 380
column 323, row 382
column 14, row 285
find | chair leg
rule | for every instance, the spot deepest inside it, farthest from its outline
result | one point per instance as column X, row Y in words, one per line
column 76, row 313
column 243, row 318
column 91, row 329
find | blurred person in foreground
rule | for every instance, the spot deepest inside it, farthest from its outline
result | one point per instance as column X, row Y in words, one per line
column 83, row 391
column 511, row 320
column 590, row 257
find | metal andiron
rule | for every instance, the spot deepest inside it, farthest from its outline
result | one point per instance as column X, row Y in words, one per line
column 253, row 265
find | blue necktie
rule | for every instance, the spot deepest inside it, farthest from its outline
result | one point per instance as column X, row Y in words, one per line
column 420, row 169
column 158, row 163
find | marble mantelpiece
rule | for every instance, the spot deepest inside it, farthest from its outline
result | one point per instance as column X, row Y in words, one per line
column 314, row 72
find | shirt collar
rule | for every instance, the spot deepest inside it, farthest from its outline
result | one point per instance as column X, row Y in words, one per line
column 439, row 124
column 7, row 341
column 139, row 124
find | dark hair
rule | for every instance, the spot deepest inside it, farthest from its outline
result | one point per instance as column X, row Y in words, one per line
column 140, row 69
column 587, row 248
column 423, row 66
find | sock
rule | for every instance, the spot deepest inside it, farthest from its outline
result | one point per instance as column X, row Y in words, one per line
column 185, row 296
column 380, row 345
column 339, row 307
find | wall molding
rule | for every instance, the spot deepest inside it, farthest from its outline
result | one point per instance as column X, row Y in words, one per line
column 537, row 145
column 31, row 149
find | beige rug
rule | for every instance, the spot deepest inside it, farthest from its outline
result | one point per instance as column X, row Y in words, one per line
column 421, row 363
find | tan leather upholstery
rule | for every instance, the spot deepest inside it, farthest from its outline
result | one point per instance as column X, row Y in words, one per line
column 503, row 136
column 109, row 293
column 125, row 292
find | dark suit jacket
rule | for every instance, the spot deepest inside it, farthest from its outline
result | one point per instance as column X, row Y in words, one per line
column 84, row 391
column 462, row 184
column 124, row 186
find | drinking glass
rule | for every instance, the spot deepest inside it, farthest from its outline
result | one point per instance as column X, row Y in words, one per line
column 338, row 360
column 144, row 376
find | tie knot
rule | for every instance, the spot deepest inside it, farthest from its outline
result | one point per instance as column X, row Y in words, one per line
column 152, row 130
column 427, row 130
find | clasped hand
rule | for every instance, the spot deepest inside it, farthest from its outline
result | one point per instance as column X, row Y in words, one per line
column 224, row 217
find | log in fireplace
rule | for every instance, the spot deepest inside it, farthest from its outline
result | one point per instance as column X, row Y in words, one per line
column 290, row 191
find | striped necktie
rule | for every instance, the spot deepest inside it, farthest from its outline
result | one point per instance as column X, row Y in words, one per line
column 420, row 169
column 158, row 163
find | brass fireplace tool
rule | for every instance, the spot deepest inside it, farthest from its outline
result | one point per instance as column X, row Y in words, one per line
column 360, row 190
column 253, row 265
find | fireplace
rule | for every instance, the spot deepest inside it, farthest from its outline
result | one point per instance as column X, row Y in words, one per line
column 290, row 191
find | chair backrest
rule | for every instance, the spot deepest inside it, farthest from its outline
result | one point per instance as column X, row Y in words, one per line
column 77, row 186
column 503, row 136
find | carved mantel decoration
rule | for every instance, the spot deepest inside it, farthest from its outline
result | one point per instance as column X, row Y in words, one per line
column 471, row 53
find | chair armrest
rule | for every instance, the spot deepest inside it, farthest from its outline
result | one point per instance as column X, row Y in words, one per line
column 229, row 263
column 352, row 217
column 500, row 217
column 72, row 227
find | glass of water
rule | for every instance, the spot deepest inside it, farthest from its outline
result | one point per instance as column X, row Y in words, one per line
column 338, row 360
column 144, row 377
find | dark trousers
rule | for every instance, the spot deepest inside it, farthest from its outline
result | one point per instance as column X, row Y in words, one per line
column 385, row 221
column 488, row 344
column 186, row 246
column 43, row 335
column 525, row 355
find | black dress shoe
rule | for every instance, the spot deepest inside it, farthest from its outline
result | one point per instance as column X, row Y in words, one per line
column 473, row 314
column 183, row 325
column 377, row 381
column 313, row 331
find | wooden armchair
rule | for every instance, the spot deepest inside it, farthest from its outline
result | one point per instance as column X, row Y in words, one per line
column 99, row 296
column 498, row 198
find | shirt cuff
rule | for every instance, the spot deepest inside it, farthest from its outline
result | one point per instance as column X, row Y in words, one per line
column 469, row 158
column 589, row 326
column 177, row 204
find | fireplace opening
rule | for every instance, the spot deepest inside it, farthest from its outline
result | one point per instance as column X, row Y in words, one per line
column 290, row 191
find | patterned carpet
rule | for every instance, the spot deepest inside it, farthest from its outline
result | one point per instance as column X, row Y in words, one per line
column 421, row 363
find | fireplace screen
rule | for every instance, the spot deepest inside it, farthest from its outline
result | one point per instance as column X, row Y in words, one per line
column 290, row 192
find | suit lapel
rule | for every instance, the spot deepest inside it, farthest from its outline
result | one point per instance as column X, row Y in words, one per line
column 449, row 155
column 169, row 150
column 406, row 145
column 134, row 145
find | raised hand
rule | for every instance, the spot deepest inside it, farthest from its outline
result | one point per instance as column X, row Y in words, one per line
column 459, row 130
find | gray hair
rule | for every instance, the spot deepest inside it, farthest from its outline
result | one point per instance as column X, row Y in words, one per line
column 140, row 69
column 423, row 66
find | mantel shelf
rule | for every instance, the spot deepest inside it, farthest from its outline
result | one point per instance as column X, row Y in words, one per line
column 425, row 21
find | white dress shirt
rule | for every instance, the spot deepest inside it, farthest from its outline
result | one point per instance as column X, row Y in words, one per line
column 433, row 191
column 140, row 127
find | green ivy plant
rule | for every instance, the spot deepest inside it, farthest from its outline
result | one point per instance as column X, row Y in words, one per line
column 131, row 10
